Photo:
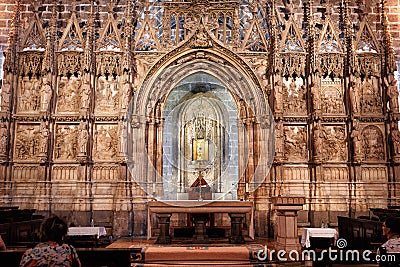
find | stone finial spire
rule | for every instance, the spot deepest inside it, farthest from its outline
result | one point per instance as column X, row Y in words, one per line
column 387, row 41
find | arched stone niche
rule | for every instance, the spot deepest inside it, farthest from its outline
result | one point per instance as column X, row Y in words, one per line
column 148, row 113
column 200, row 111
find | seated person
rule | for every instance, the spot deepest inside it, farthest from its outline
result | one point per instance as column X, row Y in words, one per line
column 2, row 244
column 391, row 229
column 52, row 251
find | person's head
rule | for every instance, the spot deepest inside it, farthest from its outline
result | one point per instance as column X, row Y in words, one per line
column 53, row 229
column 391, row 226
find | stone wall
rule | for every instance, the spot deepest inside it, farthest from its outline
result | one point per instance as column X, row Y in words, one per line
column 65, row 153
column 7, row 9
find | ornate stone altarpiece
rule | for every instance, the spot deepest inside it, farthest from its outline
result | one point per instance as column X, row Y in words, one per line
column 73, row 69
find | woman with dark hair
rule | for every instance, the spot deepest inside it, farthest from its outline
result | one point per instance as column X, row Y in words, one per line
column 52, row 251
column 391, row 229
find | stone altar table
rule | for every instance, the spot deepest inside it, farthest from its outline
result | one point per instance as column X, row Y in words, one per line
column 236, row 209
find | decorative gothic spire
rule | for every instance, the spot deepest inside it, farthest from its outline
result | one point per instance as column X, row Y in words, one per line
column 10, row 53
column 128, row 32
column 88, row 62
column 390, row 59
column 351, row 67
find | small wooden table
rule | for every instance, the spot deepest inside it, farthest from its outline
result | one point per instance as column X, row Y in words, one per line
column 237, row 211
column 317, row 232
column 86, row 232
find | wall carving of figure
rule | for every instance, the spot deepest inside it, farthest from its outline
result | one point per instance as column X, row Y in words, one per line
column 371, row 100
column 68, row 94
column 318, row 140
column 126, row 92
column 354, row 97
column 278, row 94
column 316, row 96
column 27, row 143
column 334, row 144
column 357, row 141
column 29, row 91
column 295, row 142
column 396, row 141
column 5, row 91
column 106, row 142
column 3, row 138
column 332, row 101
column 44, row 136
column 66, row 142
column 107, row 94
column 45, row 94
column 295, row 98
column 373, row 143
column 393, row 93
column 279, row 137
column 83, row 138
column 85, row 91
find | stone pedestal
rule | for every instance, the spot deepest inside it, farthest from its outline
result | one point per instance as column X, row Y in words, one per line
column 163, row 222
column 236, row 228
column 287, row 208
column 199, row 221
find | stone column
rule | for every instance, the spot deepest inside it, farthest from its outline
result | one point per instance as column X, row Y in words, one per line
column 199, row 220
column 287, row 208
column 163, row 222
column 236, row 228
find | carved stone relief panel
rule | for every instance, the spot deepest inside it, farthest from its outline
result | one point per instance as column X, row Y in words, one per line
column 296, row 143
column 294, row 96
column 107, row 94
column 371, row 101
column 106, row 172
column 66, row 144
column 27, row 142
column 105, row 142
column 334, row 146
column 297, row 179
column 332, row 96
column 27, row 173
column 373, row 145
column 29, row 94
column 372, row 192
column 336, row 174
column 68, row 99
column 66, row 173
column 143, row 64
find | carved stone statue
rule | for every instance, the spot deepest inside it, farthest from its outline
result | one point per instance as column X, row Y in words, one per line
column 6, row 89
column 45, row 94
column 279, row 137
column 3, row 138
column 83, row 138
column 44, row 135
column 357, row 141
column 318, row 139
column 316, row 97
column 393, row 93
column 68, row 92
column 396, row 141
column 85, row 92
column 126, row 92
column 354, row 97
column 278, row 94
